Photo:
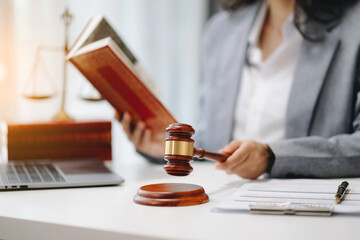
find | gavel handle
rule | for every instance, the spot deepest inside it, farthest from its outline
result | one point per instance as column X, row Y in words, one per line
column 219, row 157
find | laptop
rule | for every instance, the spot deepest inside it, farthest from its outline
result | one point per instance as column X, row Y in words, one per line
column 56, row 174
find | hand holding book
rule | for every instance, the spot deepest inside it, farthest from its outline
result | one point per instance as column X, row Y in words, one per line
column 103, row 58
column 144, row 140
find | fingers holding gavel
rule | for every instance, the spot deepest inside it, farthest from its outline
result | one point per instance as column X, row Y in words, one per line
column 248, row 159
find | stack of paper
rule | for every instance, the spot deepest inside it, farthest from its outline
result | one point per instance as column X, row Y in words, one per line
column 303, row 197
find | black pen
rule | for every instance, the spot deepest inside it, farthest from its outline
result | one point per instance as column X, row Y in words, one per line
column 341, row 191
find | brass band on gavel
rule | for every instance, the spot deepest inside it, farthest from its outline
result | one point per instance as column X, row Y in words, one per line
column 182, row 148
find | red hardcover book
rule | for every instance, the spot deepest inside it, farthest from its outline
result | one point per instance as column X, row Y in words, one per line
column 47, row 128
column 60, row 140
column 103, row 153
column 102, row 57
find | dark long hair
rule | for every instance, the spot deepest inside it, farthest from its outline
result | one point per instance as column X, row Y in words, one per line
column 326, row 13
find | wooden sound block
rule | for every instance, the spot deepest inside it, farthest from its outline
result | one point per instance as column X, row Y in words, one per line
column 171, row 195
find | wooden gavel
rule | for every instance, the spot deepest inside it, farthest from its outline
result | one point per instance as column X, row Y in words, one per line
column 180, row 151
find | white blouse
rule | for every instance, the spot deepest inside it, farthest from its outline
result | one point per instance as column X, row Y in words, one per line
column 265, row 85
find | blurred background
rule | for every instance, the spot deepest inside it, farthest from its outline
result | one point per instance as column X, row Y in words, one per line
column 165, row 36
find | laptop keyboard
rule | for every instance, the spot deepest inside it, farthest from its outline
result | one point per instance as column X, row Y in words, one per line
column 21, row 173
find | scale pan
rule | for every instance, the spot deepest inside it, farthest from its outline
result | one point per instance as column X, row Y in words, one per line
column 91, row 99
column 37, row 97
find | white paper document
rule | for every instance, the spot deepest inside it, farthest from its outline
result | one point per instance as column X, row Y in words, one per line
column 300, row 196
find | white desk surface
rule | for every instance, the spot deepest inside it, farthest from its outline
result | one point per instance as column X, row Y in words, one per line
column 110, row 213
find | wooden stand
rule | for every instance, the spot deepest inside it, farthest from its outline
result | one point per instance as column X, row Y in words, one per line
column 171, row 195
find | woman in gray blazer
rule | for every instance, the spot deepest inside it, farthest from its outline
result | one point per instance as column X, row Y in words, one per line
column 281, row 101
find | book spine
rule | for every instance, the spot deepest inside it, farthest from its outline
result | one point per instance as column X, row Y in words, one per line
column 103, row 153
column 63, row 140
column 2, row 141
column 20, row 130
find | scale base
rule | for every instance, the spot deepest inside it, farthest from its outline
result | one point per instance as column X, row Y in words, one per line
column 61, row 116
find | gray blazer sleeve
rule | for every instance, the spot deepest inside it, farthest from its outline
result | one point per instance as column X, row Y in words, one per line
column 313, row 156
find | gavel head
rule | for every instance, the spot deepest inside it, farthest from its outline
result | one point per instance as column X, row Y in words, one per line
column 179, row 149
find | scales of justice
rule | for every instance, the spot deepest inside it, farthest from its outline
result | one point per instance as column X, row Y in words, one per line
column 33, row 85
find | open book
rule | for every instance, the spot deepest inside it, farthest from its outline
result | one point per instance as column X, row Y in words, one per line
column 103, row 58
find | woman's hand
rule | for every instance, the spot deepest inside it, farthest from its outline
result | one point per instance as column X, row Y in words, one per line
column 142, row 137
column 248, row 158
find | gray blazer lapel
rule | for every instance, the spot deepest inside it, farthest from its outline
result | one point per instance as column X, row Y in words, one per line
column 310, row 74
column 230, row 68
